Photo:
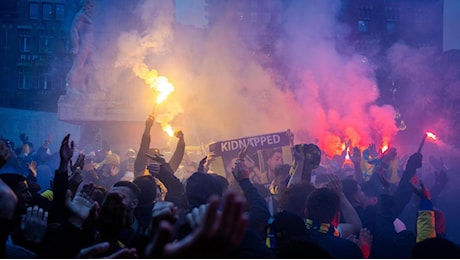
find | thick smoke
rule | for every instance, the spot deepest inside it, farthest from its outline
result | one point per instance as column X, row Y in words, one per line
column 223, row 90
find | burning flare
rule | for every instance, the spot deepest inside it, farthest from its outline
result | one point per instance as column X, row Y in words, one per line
column 163, row 86
column 168, row 129
column 431, row 135
column 384, row 148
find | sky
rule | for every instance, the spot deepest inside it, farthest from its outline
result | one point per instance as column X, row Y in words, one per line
column 451, row 25
column 191, row 12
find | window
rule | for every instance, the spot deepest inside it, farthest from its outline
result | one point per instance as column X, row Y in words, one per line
column 391, row 14
column 47, row 11
column 391, row 27
column 60, row 12
column 44, row 82
column 365, row 12
column 24, row 78
column 45, row 42
column 33, row 11
column 363, row 26
column 24, row 40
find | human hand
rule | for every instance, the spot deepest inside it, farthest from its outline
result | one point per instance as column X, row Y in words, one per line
column 372, row 151
column 154, row 169
column 355, row 157
column 66, row 152
column 156, row 158
column 196, row 216
column 164, row 210
column 24, row 138
column 389, row 155
column 79, row 163
column 82, row 204
column 415, row 161
column 34, row 224
column 74, row 180
column 33, row 168
column 240, row 171
column 203, row 165
column 298, row 153
column 290, row 136
column 179, row 134
column 335, row 184
column 220, row 233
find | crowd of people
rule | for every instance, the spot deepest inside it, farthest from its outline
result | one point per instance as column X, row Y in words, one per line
column 71, row 204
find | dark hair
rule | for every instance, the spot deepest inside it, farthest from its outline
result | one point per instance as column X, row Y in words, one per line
column 200, row 187
column 350, row 187
column 147, row 187
column 99, row 194
column 133, row 187
column 293, row 198
column 12, row 179
column 322, row 205
column 435, row 248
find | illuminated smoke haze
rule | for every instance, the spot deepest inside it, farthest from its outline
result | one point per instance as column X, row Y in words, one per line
column 223, row 91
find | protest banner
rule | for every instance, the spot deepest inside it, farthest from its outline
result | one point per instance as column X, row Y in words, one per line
column 263, row 153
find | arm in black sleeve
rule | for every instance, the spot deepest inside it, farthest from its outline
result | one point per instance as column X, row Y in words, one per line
column 257, row 206
column 60, row 186
column 404, row 191
column 172, row 183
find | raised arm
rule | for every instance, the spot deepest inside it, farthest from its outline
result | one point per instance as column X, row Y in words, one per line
column 352, row 223
column 141, row 159
column 178, row 155
column 356, row 159
column 61, row 182
column 257, row 207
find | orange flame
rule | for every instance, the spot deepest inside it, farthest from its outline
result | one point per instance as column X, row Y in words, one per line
column 431, row 135
column 347, row 155
column 384, row 148
column 162, row 85
column 168, row 129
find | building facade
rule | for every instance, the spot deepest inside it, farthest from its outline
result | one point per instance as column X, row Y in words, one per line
column 34, row 55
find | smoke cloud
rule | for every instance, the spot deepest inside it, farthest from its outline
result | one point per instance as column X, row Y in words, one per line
column 224, row 88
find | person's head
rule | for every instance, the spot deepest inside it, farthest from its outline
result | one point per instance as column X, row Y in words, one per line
column 438, row 248
column 20, row 187
column 130, row 157
column 355, row 195
column 191, row 167
column 129, row 192
column 99, row 194
column 293, row 198
column 148, row 189
column 283, row 229
column 200, row 187
column 275, row 159
column 87, row 6
column 156, row 153
column 322, row 205
column 110, row 165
